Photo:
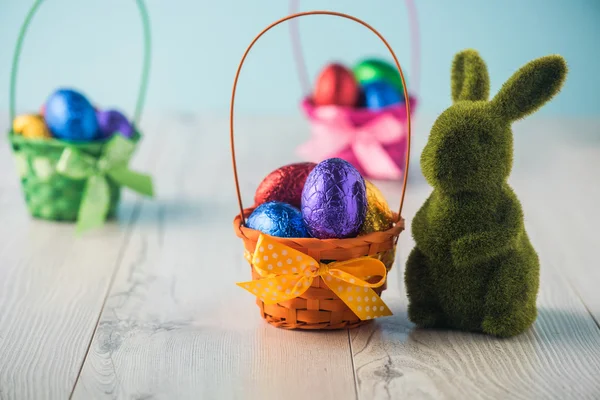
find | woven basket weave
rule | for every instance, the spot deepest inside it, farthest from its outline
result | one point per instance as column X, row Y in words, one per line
column 48, row 194
column 319, row 307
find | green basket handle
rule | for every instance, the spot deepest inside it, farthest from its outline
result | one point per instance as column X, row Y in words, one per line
column 145, row 66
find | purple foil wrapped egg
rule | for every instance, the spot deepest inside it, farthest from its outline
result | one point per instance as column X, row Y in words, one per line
column 334, row 202
column 113, row 121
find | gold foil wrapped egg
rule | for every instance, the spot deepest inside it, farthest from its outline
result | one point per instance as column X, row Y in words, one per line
column 379, row 216
column 31, row 126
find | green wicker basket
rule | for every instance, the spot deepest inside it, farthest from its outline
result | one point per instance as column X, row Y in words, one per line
column 50, row 194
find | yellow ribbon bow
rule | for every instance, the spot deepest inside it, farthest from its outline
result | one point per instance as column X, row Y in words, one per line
column 287, row 273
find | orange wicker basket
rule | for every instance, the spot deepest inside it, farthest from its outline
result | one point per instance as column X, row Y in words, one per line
column 319, row 307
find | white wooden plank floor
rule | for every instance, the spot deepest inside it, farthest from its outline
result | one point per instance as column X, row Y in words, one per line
column 147, row 307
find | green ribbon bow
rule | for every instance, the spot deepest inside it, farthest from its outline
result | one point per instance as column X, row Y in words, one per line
column 113, row 163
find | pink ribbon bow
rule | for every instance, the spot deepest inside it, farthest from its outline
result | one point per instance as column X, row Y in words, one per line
column 333, row 133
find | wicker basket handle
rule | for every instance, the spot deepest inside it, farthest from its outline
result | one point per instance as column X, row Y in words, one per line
column 415, row 47
column 145, row 66
column 239, row 69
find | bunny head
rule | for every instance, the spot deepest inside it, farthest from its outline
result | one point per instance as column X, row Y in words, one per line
column 470, row 144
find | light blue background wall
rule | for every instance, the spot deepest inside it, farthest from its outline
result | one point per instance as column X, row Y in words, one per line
column 96, row 46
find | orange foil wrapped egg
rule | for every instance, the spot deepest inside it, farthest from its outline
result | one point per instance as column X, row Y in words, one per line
column 285, row 184
column 336, row 85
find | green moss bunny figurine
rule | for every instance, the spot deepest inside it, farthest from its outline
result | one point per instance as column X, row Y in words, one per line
column 473, row 267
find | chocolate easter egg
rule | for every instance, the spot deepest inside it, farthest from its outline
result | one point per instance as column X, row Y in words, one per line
column 334, row 201
column 285, row 184
column 70, row 116
column 379, row 217
column 336, row 85
column 380, row 94
column 31, row 126
column 277, row 219
column 374, row 69
column 111, row 122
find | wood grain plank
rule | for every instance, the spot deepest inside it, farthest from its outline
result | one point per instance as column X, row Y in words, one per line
column 52, row 287
column 175, row 325
column 558, row 358
column 570, row 216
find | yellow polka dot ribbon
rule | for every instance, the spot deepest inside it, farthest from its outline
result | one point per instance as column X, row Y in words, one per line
column 287, row 273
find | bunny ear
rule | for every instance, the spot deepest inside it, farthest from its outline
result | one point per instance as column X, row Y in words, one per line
column 470, row 79
column 530, row 87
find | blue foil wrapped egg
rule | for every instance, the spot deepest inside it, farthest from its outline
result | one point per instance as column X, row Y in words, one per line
column 381, row 94
column 277, row 219
column 334, row 202
column 70, row 116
